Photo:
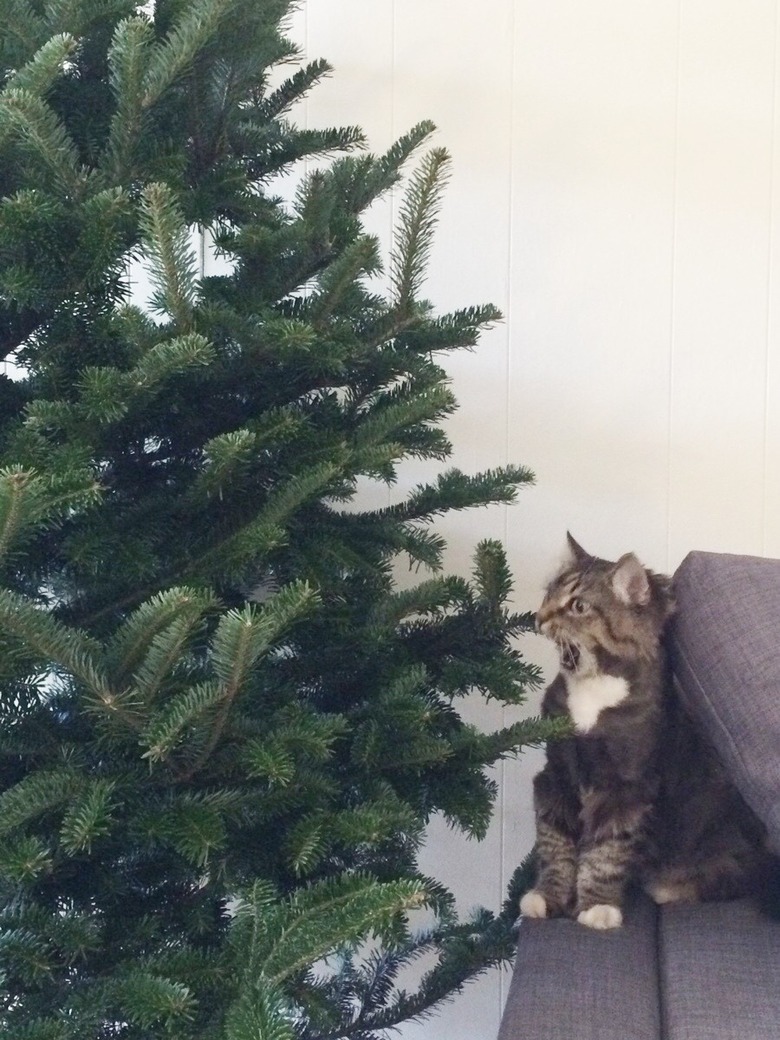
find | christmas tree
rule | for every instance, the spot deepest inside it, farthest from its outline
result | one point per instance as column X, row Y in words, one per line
column 224, row 725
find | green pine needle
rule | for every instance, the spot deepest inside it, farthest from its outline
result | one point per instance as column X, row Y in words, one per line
column 261, row 1013
column 418, row 218
column 168, row 725
column 41, row 72
column 36, row 794
column 172, row 261
column 45, row 137
column 128, row 60
column 174, row 56
column 88, row 817
column 134, row 641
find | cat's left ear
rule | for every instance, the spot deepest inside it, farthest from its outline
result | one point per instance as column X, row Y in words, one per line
column 630, row 582
column 576, row 552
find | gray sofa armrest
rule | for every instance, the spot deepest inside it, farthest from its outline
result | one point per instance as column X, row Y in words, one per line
column 575, row 983
column 718, row 965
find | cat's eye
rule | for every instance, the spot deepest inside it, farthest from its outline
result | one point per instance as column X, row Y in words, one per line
column 578, row 606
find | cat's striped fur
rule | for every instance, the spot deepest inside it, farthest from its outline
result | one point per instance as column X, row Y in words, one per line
column 634, row 794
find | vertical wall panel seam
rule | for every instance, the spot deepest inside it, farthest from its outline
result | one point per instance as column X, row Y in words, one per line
column 305, row 57
column 306, row 53
column 502, row 802
column 393, row 133
column 769, row 285
column 393, row 115
column 673, row 290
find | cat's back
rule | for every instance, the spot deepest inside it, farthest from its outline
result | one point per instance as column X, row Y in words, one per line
column 697, row 796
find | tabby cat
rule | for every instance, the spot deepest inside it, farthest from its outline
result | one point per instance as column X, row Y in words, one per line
column 634, row 795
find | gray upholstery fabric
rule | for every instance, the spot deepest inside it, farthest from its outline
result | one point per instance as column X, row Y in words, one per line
column 725, row 646
column 573, row 983
column 719, row 972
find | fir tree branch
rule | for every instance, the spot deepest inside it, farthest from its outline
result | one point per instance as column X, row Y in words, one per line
column 128, row 61
column 23, row 22
column 147, row 1000
column 255, row 539
column 174, row 56
column 35, row 794
column 133, row 641
column 294, row 88
column 69, row 648
column 44, row 136
column 260, row 1013
column 241, row 638
column 40, row 73
column 88, row 817
column 19, row 504
column 455, row 490
column 492, row 575
column 418, row 219
column 359, row 181
column 458, row 330
column 173, row 264
column 464, row 953
column 161, row 735
column 360, row 258
column 278, row 939
column 403, row 409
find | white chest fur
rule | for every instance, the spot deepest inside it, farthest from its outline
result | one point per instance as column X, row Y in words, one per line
column 589, row 695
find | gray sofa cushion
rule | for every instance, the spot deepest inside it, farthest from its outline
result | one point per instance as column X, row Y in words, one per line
column 725, row 647
column 574, row 983
column 719, row 972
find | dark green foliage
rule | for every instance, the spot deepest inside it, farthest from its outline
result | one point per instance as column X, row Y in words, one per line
column 223, row 727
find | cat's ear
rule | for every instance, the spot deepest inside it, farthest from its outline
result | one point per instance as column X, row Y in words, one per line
column 578, row 554
column 630, row 582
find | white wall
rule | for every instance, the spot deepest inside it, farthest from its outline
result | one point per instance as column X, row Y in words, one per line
column 615, row 192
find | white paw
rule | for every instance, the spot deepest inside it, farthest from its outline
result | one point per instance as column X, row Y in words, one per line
column 601, row 916
column 680, row 892
column 663, row 893
column 533, row 904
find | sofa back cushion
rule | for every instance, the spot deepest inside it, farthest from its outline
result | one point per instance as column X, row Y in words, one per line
column 725, row 648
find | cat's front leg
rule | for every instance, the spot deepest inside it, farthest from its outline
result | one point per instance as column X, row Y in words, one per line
column 556, row 851
column 553, row 893
column 613, row 836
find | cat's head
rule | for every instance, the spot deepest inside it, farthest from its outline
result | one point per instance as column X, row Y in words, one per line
column 599, row 612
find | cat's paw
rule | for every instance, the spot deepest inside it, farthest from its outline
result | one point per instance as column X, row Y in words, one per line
column 672, row 892
column 533, row 904
column 602, row 916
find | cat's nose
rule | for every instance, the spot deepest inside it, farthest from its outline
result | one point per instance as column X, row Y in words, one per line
column 542, row 622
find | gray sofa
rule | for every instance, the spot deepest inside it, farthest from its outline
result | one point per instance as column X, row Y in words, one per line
column 682, row 972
